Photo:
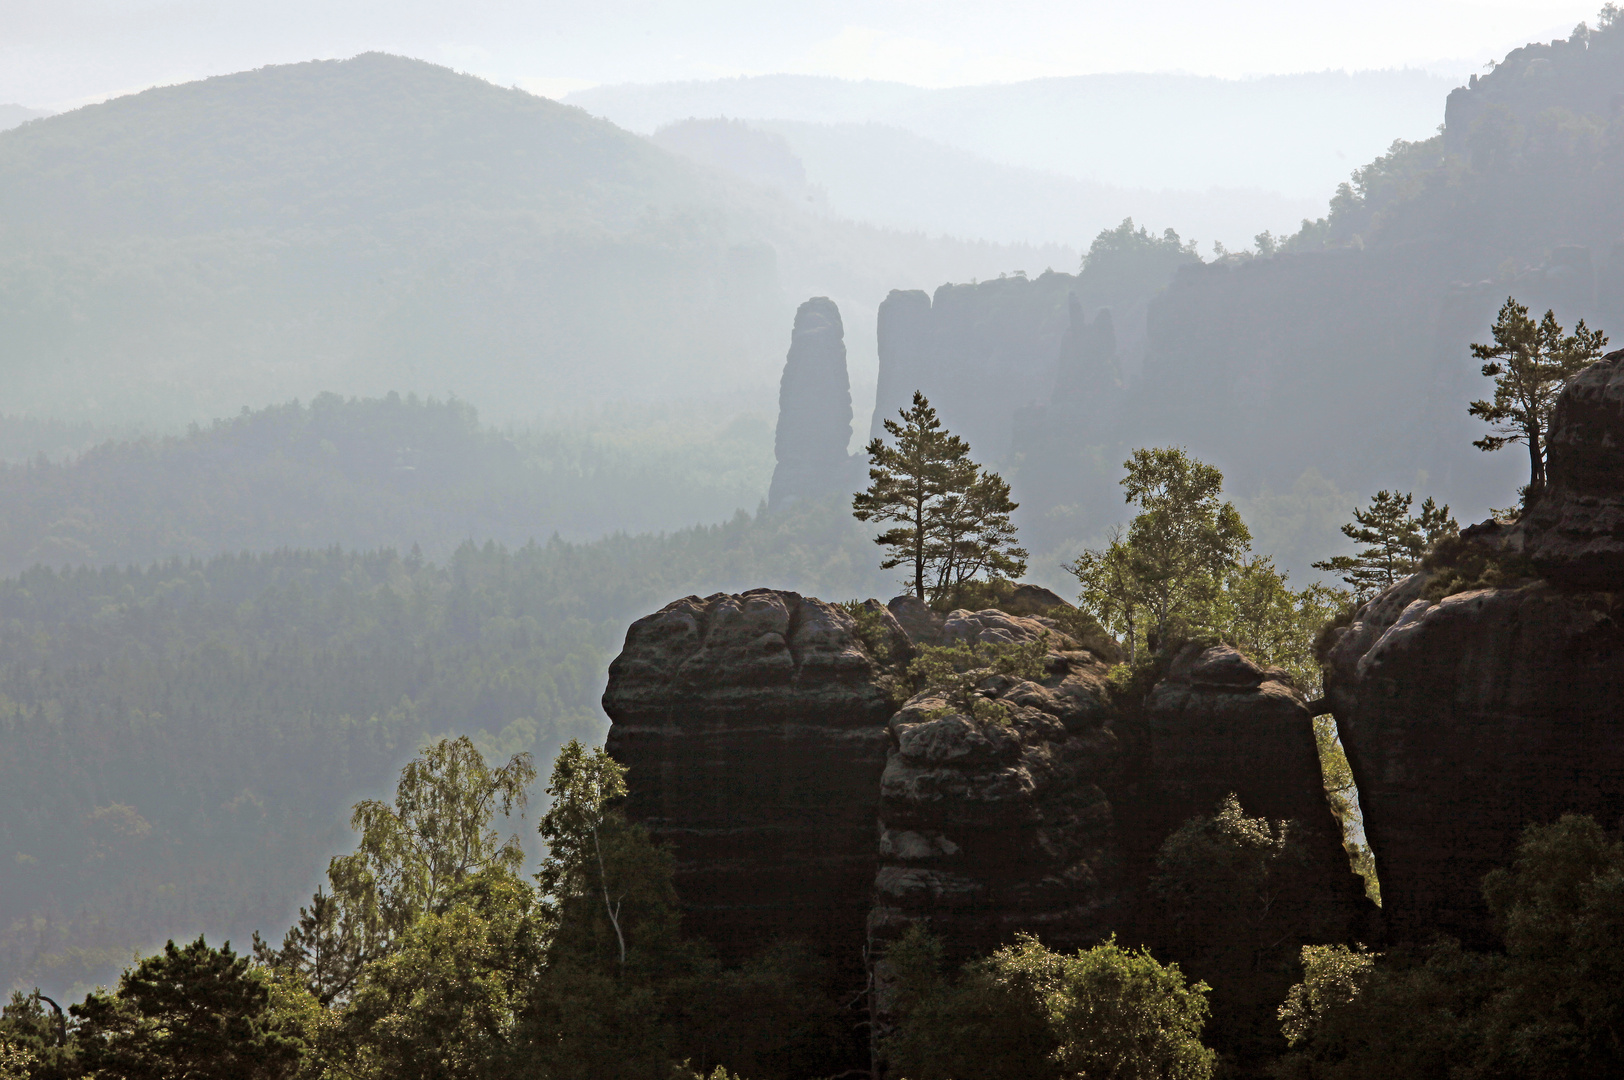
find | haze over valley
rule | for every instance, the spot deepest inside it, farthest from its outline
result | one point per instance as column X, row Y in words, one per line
column 913, row 482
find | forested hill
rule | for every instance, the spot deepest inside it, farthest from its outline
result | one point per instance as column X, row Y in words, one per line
column 381, row 223
column 377, row 472
column 180, row 744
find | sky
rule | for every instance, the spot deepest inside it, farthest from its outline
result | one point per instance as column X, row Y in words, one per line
column 57, row 54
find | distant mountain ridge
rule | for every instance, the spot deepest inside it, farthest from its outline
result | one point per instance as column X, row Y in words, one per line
column 1298, row 135
column 381, row 224
column 886, row 175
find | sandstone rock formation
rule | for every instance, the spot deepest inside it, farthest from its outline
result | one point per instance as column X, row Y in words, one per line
column 814, row 410
column 1468, row 716
column 753, row 731
column 763, row 745
column 989, row 827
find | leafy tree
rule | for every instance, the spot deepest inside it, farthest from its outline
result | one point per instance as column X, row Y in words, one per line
column 953, row 519
column 411, row 858
column 1396, row 540
column 39, row 1042
column 1529, row 364
column 1333, row 975
column 1259, row 614
column 1164, row 577
column 191, row 1012
column 604, row 1006
column 1237, row 898
column 446, row 1003
column 1550, row 1006
column 1026, row 1012
column 974, row 535
column 325, row 948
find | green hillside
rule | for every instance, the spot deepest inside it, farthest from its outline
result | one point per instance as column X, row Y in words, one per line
column 382, row 224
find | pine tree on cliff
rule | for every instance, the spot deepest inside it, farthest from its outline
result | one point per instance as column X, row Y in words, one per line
column 1529, row 363
column 952, row 517
column 1394, row 540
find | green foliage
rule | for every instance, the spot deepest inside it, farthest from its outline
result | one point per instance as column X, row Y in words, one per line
column 957, row 671
column 1458, row 566
column 1237, row 897
column 1028, row 1013
column 1343, row 795
column 445, row 1003
column 1273, row 624
column 1529, row 364
column 953, row 518
column 415, row 854
column 1551, row 1006
column 1333, row 975
column 1159, row 580
column 1397, row 541
column 217, row 717
column 193, row 1012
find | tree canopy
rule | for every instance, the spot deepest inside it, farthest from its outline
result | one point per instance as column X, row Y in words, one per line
column 1395, row 540
column 952, row 516
column 1530, row 363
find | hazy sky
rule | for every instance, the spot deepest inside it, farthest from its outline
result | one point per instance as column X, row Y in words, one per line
column 58, row 53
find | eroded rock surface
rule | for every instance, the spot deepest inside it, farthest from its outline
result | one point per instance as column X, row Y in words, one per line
column 1002, row 823
column 753, row 731
column 1468, row 716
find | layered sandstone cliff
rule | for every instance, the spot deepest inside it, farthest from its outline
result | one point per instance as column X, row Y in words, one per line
column 1487, row 691
column 753, row 730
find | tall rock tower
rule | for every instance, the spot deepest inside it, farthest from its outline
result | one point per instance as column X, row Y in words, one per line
column 814, row 410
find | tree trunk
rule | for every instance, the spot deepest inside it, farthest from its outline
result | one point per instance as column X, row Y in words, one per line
column 1536, row 461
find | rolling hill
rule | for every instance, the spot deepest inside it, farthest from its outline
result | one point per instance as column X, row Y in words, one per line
column 382, row 224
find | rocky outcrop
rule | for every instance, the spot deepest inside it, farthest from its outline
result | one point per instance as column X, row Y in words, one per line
column 754, row 734
column 1218, row 724
column 1468, row 716
column 978, row 351
column 814, row 410
column 992, row 825
column 1574, row 535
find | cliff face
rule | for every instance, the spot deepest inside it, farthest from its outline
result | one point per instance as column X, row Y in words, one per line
column 753, row 731
column 987, row 827
column 1468, row 716
column 814, row 410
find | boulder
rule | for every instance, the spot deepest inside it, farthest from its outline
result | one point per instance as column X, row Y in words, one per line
column 753, row 729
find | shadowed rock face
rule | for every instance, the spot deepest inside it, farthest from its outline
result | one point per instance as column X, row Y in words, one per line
column 762, row 745
column 1218, row 723
column 754, row 736
column 987, row 827
column 1575, row 533
column 814, row 409
column 1467, row 718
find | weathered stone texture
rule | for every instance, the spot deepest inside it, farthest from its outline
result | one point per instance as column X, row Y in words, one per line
column 754, row 735
column 1468, row 717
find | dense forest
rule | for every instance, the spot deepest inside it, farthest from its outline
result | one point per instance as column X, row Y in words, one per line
column 290, row 678
column 183, row 738
column 366, row 473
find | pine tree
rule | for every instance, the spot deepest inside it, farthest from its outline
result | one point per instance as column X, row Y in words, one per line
column 953, row 517
column 191, row 1012
column 1395, row 539
column 1529, row 364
